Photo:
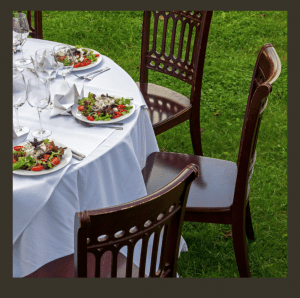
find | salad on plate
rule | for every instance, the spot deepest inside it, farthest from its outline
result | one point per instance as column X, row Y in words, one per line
column 83, row 57
column 37, row 155
column 103, row 107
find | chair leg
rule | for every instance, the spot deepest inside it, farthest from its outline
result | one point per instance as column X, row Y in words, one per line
column 196, row 135
column 240, row 249
column 249, row 227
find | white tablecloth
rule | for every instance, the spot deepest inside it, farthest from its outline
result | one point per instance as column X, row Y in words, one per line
column 44, row 207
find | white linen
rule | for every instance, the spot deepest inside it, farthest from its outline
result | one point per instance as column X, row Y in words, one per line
column 48, row 233
column 63, row 102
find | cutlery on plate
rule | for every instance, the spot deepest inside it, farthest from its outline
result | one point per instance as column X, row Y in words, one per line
column 91, row 73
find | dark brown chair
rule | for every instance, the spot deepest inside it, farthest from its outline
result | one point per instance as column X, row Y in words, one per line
column 100, row 234
column 166, row 107
column 220, row 193
column 37, row 30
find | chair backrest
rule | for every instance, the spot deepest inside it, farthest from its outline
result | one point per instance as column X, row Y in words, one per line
column 267, row 70
column 110, row 229
column 37, row 30
column 188, row 32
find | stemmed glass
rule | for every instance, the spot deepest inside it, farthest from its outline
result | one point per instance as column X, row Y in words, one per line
column 46, row 67
column 19, row 98
column 38, row 96
column 24, row 32
column 65, row 58
column 16, row 33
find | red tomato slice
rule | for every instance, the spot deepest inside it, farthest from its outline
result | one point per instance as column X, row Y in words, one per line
column 37, row 168
column 18, row 148
column 55, row 161
column 96, row 55
column 80, row 108
column 14, row 160
column 91, row 118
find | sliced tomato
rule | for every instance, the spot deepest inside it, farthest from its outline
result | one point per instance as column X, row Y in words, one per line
column 90, row 118
column 45, row 157
column 96, row 55
column 14, row 160
column 49, row 147
column 121, row 106
column 98, row 113
column 118, row 113
column 37, row 168
column 55, row 161
column 77, row 65
column 80, row 108
column 18, row 148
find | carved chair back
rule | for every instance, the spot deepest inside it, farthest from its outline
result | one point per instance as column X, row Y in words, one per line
column 159, row 214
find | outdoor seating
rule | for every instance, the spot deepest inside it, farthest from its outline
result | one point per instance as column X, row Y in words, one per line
column 98, row 232
column 166, row 107
column 36, row 31
column 220, row 193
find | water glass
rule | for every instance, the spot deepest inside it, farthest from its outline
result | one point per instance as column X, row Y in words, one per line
column 38, row 96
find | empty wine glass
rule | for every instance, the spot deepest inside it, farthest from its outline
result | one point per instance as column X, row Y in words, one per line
column 45, row 67
column 65, row 58
column 19, row 98
column 16, row 33
column 24, row 32
column 38, row 96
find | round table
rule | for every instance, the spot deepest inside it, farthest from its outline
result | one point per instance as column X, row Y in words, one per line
column 44, row 206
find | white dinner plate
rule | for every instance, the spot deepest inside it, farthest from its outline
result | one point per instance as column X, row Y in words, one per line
column 66, row 158
column 99, row 59
column 77, row 114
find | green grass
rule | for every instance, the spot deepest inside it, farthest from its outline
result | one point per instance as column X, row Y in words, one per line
column 234, row 42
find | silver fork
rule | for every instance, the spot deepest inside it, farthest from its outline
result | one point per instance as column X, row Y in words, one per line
column 94, row 73
column 109, row 125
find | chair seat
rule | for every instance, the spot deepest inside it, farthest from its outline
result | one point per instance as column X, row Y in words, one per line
column 164, row 103
column 212, row 190
column 64, row 267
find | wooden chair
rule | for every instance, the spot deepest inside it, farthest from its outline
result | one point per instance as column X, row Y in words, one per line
column 37, row 30
column 220, row 193
column 100, row 234
column 166, row 107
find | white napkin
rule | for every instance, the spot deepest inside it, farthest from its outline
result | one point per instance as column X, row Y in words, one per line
column 63, row 103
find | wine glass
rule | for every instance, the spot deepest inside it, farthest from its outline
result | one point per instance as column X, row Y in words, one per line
column 16, row 33
column 45, row 67
column 38, row 96
column 24, row 32
column 64, row 55
column 19, row 98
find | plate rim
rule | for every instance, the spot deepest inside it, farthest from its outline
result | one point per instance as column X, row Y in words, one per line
column 39, row 173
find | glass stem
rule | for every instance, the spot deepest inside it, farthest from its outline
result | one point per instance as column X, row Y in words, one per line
column 21, row 49
column 17, row 118
column 41, row 129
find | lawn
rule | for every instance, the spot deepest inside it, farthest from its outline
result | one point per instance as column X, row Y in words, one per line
column 234, row 41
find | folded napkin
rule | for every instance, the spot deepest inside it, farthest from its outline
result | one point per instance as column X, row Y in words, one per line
column 63, row 103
